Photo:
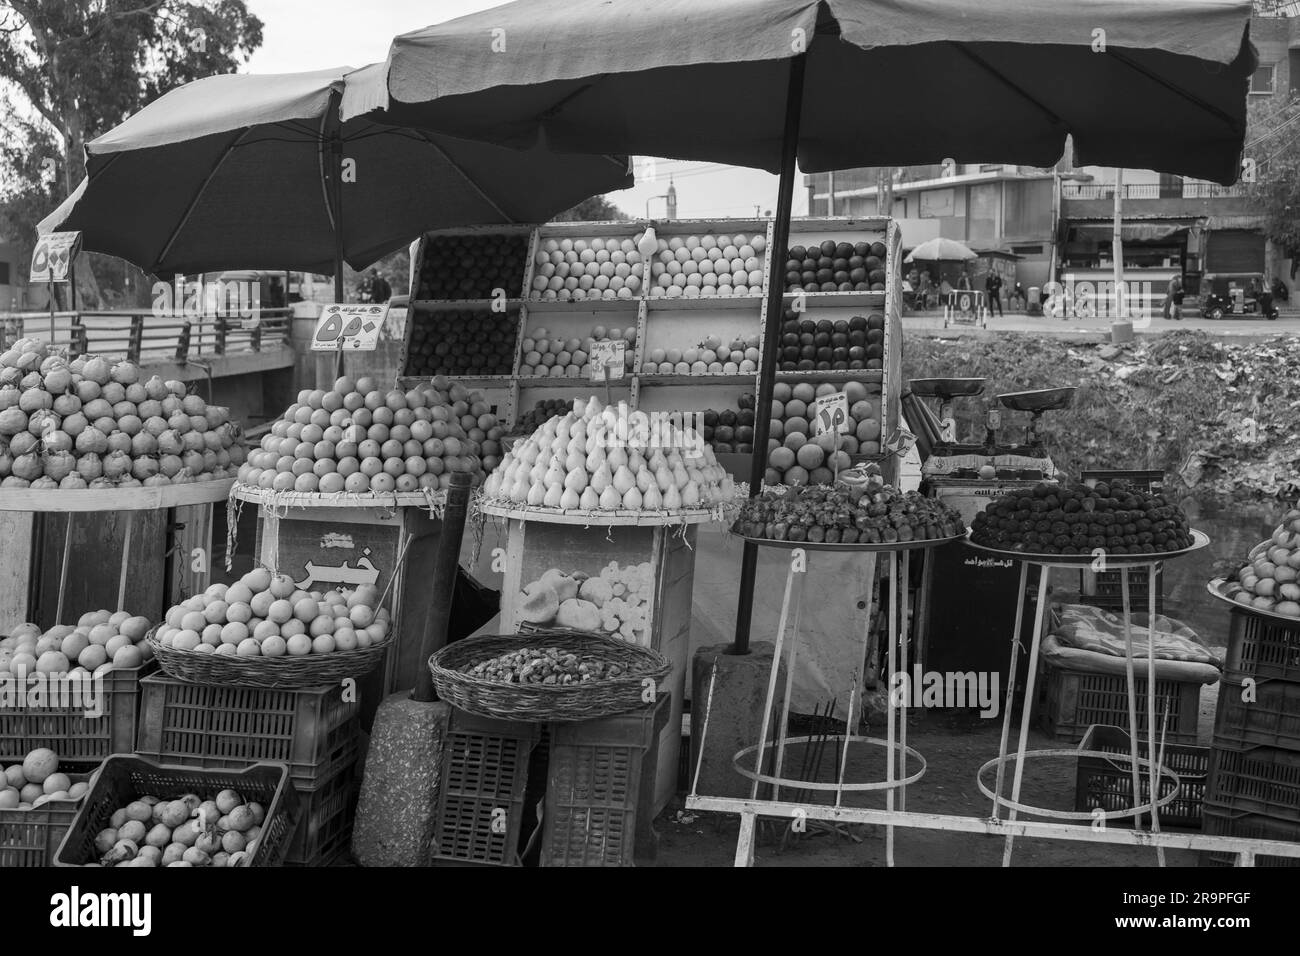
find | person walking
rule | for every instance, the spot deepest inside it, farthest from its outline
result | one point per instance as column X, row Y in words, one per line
column 993, row 286
column 1175, row 298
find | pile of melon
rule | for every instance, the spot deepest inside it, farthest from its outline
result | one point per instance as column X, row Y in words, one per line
column 608, row 458
column 1270, row 578
column 97, row 643
column 355, row 438
column 797, row 455
column 86, row 423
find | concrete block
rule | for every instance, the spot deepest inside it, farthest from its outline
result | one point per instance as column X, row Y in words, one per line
column 735, row 716
column 397, row 812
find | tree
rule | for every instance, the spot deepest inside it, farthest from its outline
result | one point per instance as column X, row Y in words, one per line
column 595, row 209
column 1272, row 161
column 80, row 67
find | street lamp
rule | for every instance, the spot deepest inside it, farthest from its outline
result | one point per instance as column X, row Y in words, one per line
column 647, row 203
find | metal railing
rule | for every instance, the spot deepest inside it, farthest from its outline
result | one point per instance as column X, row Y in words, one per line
column 1212, row 190
column 1107, row 191
column 142, row 337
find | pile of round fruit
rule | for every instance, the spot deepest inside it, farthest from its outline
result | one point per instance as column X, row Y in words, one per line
column 837, row 514
column 832, row 346
column 472, row 267
column 357, row 439
column 268, row 615
column 599, row 458
column 99, row 642
column 185, row 831
column 545, row 409
column 1269, row 580
column 731, row 431
column 480, row 342
column 707, row 266
column 87, row 424
column 1115, row 518
column 836, row 267
column 710, row 357
column 555, row 357
column 543, row 665
column 36, row 781
column 616, row 601
column 796, row 454
column 580, row 269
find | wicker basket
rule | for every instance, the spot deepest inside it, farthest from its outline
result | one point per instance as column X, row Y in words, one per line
column 546, row 702
column 311, row 670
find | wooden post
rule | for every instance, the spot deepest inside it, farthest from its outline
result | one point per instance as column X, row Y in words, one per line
column 1044, row 575
column 126, row 562
column 220, row 347
column 1011, row 682
column 136, row 342
column 63, row 569
column 1155, row 766
column 442, row 585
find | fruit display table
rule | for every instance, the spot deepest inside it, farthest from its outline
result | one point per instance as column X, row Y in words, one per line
column 750, row 761
column 385, row 540
column 1125, row 564
column 646, row 560
column 133, row 522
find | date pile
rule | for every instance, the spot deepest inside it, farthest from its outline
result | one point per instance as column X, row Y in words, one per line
column 543, row 665
column 841, row 515
column 1075, row 519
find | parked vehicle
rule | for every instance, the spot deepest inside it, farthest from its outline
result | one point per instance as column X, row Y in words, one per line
column 1241, row 293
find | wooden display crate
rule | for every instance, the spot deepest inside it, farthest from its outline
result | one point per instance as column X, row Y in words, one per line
column 534, row 547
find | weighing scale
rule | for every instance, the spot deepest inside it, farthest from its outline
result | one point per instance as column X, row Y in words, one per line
column 968, row 599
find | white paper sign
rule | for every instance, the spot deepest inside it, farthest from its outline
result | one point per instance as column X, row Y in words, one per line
column 608, row 360
column 831, row 412
column 349, row 327
column 53, row 255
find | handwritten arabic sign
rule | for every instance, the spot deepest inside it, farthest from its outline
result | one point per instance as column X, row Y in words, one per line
column 53, row 255
column 608, row 360
column 329, row 554
column 349, row 327
column 831, row 413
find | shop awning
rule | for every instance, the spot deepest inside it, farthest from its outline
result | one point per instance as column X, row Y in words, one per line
column 1233, row 222
column 1130, row 231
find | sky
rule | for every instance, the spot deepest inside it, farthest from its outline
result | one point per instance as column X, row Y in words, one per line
column 316, row 34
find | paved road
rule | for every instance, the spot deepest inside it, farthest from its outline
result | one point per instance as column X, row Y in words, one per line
column 1288, row 323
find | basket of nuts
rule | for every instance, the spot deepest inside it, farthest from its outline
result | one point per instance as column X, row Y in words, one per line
column 544, row 676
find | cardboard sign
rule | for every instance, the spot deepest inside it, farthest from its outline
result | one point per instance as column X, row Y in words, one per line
column 608, row 360
column 53, row 255
column 350, row 327
column 831, row 412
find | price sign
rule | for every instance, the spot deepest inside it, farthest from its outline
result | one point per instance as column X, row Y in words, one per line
column 608, row 360
column 349, row 327
column 831, row 413
column 53, row 254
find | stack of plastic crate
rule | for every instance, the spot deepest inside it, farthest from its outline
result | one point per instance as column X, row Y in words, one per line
column 315, row 731
column 1254, row 784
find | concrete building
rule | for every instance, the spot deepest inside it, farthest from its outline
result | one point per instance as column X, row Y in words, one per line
column 1060, row 221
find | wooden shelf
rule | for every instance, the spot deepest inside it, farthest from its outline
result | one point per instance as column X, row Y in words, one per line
column 565, row 382
column 471, row 305
column 681, row 304
column 149, row 498
column 538, row 306
column 837, row 300
column 670, row 380
column 871, row 376
column 406, row 382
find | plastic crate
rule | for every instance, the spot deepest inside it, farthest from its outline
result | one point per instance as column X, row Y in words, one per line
column 481, row 791
column 1074, row 700
column 1104, row 589
column 67, row 730
column 1263, row 780
column 1108, row 785
column 227, row 727
column 31, row 837
column 325, row 818
column 124, row 777
column 1264, row 648
column 1272, row 719
column 1220, row 820
column 600, row 789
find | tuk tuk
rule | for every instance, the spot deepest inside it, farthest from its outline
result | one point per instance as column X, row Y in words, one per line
column 1241, row 293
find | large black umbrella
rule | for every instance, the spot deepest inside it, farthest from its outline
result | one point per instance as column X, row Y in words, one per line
column 836, row 84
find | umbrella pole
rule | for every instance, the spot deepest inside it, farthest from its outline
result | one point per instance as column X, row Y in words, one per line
column 336, row 188
column 771, row 337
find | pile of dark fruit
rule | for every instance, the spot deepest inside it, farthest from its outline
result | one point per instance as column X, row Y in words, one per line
column 836, row 267
column 822, row 345
column 1075, row 519
column 480, row 342
column 472, row 267
column 836, row 514
column 731, row 431
column 542, row 413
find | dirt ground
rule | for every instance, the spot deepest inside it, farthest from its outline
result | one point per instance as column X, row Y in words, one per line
column 954, row 748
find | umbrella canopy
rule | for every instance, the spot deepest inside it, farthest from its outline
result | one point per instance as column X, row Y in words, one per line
column 235, row 171
column 1156, row 85
column 940, row 250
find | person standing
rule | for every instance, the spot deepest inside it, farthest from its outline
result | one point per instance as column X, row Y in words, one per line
column 1175, row 298
column 993, row 286
column 380, row 291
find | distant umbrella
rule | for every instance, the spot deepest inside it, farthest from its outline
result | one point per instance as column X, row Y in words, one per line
column 940, row 250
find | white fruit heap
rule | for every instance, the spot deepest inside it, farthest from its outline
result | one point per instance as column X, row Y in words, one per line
column 266, row 615
column 88, row 424
column 358, row 439
column 616, row 601
column 605, row 458
column 99, row 642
